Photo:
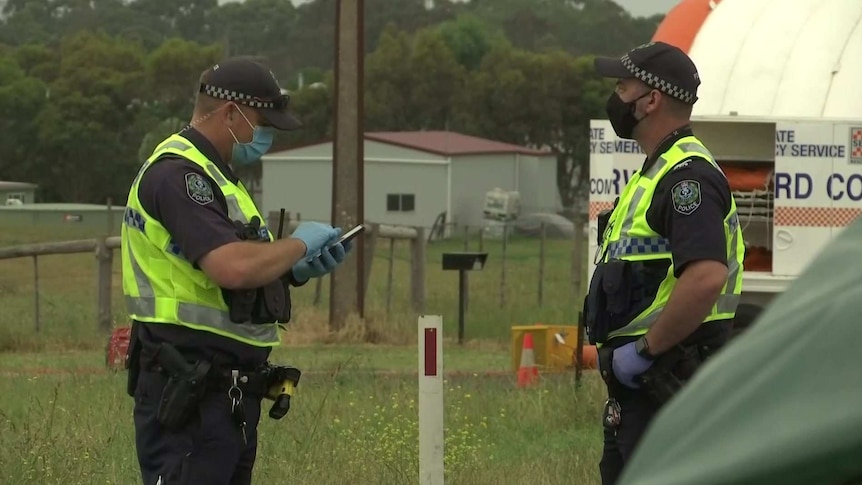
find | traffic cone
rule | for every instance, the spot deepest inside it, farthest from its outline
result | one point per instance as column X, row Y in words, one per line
column 528, row 373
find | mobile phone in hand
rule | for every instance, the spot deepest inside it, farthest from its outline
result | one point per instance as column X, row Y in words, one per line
column 349, row 235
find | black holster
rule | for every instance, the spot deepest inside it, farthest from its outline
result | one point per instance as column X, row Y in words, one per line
column 186, row 386
column 133, row 359
column 670, row 372
column 605, row 356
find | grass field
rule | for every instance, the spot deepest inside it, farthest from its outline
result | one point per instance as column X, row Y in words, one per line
column 65, row 419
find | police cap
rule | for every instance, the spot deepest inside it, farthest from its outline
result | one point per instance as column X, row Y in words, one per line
column 248, row 82
column 657, row 64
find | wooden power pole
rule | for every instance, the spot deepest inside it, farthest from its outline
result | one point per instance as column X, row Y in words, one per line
column 348, row 180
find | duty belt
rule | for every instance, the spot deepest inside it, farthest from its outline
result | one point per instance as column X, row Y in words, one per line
column 220, row 379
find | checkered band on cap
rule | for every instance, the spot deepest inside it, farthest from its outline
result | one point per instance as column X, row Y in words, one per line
column 229, row 95
column 658, row 83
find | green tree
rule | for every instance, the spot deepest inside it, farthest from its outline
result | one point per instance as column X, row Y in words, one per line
column 314, row 106
column 537, row 100
column 173, row 70
column 87, row 134
column 388, row 79
column 469, row 39
column 21, row 99
column 410, row 84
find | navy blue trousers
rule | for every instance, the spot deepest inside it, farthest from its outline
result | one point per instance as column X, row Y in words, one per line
column 636, row 412
column 207, row 450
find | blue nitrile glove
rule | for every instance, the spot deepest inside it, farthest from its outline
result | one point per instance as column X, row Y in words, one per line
column 320, row 264
column 315, row 235
column 628, row 364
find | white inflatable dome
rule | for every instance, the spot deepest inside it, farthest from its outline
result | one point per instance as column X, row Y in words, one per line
column 773, row 57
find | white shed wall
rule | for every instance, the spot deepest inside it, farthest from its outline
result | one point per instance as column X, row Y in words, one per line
column 472, row 177
column 303, row 186
column 300, row 180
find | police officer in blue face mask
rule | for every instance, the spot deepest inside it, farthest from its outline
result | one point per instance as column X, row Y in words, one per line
column 208, row 286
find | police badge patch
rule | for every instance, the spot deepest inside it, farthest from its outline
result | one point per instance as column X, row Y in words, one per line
column 198, row 188
column 686, row 196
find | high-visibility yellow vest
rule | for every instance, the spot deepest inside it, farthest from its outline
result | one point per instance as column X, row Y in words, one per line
column 159, row 284
column 629, row 236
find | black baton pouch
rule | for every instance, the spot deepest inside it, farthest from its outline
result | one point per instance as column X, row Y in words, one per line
column 133, row 360
column 616, row 283
column 240, row 304
column 276, row 302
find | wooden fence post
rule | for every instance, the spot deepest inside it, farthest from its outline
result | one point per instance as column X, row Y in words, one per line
column 503, row 266
column 542, row 264
column 36, row 292
column 417, row 276
column 389, row 275
column 370, row 245
column 105, row 258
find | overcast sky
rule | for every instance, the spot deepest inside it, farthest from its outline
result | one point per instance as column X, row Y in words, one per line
column 636, row 7
column 647, row 7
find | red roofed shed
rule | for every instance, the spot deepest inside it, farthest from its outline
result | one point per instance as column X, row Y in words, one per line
column 412, row 177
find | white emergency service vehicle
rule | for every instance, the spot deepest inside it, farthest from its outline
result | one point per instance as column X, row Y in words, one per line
column 797, row 184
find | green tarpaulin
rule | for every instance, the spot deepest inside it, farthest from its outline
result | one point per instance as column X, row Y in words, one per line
column 781, row 404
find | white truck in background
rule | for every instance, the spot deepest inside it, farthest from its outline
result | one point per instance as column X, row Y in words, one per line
column 797, row 184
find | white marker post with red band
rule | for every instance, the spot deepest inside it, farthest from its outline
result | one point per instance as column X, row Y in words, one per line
column 430, row 400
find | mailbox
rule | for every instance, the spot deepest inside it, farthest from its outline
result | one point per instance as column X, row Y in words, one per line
column 463, row 262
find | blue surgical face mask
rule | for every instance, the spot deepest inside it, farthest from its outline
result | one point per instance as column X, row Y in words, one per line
column 261, row 142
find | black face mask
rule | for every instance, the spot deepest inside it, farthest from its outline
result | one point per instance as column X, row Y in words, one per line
column 622, row 115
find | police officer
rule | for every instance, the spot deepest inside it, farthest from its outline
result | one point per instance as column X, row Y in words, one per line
column 669, row 262
column 207, row 284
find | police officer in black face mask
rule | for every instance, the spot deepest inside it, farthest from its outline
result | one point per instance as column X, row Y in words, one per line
column 669, row 269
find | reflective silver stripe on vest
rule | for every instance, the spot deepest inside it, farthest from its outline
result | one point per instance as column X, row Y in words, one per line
column 702, row 151
column 215, row 173
column 207, row 317
column 725, row 304
column 173, row 144
column 733, row 258
column 656, row 168
column 233, row 210
column 145, row 288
